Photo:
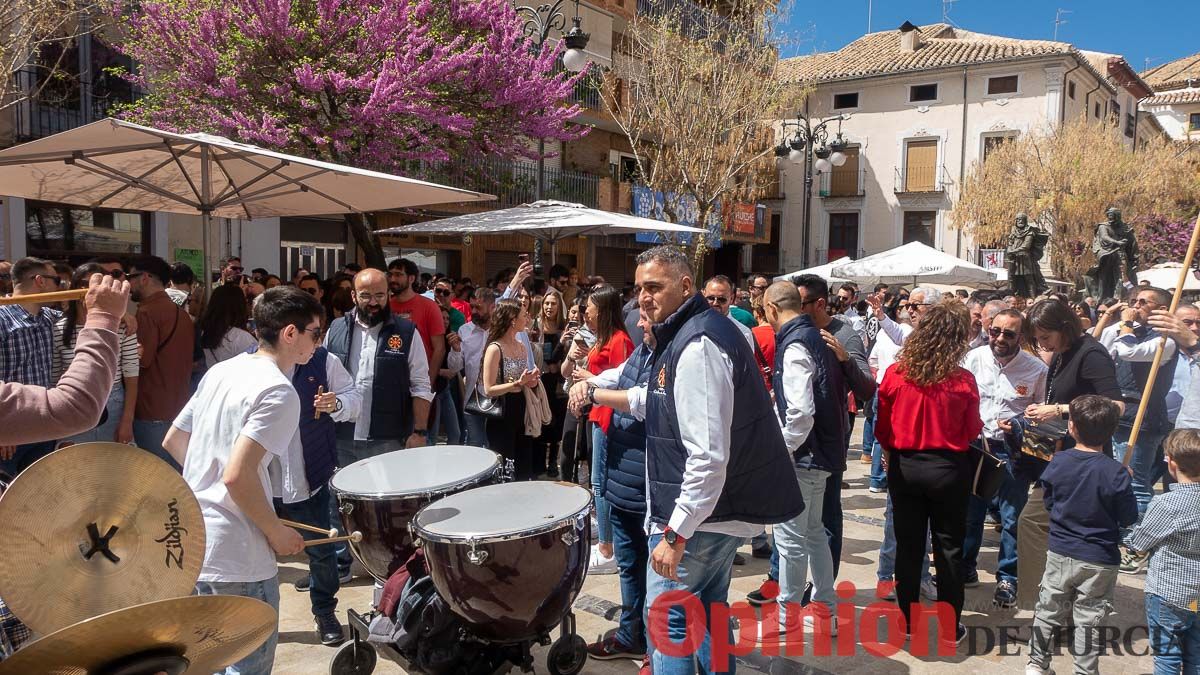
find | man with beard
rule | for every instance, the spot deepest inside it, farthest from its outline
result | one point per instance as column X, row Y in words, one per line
column 166, row 336
column 1009, row 380
column 474, row 338
column 406, row 303
column 386, row 358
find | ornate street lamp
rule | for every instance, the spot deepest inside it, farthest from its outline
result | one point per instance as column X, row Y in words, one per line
column 828, row 155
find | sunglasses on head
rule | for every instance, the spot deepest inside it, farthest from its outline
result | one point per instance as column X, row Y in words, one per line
column 717, row 300
column 1008, row 334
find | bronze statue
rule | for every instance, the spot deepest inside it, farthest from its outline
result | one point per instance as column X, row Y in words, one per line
column 1116, row 253
column 1026, row 244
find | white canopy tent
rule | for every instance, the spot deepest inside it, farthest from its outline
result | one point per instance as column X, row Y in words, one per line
column 914, row 263
column 1166, row 277
column 546, row 220
column 120, row 165
column 824, row 271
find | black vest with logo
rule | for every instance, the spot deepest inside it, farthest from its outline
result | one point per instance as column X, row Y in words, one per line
column 391, row 398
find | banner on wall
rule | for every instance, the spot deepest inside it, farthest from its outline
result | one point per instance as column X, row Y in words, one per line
column 647, row 203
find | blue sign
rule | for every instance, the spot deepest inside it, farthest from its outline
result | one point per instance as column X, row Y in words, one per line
column 650, row 204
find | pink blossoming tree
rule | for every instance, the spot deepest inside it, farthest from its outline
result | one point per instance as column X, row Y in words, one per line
column 370, row 83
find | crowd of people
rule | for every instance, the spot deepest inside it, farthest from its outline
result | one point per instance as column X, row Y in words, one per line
column 698, row 413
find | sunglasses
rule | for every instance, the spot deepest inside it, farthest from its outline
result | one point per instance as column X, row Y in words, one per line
column 760, row 288
column 443, row 292
column 1008, row 334
column 915, row 305
column 116, row 274
column 131, row 276
column 310, row 291
column 236, row 269
column 1143, row 301
column 717, row 300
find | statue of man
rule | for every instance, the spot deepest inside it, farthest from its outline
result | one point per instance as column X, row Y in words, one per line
column 1116, row 254
column 1025, row 245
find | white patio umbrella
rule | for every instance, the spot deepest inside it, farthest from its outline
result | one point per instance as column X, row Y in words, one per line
column 914, row 263
column 1166, row 277
column 120, row 165
column 546, row 220
column 824, row 271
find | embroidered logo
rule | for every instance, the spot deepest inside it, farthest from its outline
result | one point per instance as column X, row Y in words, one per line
column 662, row 377
column 1022, row 390
column 394, row 343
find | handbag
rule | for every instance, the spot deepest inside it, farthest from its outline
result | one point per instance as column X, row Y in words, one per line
column 989, row 471
column 479, row 403
column 1042, row 439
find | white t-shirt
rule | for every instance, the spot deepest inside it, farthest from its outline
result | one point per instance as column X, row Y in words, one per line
column 244, row 396
column 236, row 341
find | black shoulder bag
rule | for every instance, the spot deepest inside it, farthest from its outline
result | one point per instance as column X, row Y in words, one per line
column 480, row 404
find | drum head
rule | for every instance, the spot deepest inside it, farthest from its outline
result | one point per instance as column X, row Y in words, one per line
column 415, row 471
column 497, row 511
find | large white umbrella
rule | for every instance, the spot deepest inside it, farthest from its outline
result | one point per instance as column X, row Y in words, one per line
column 824, row 271
column 120, row 165
column 914, row 263
column 1166, row 277
column 546, row 220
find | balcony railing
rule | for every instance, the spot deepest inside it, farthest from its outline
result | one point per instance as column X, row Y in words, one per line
column 921, row 179
column 47, row 113
column 513, row 183
column 825, row 255
column 587, row 89
column 694, row 19
column 843, row 182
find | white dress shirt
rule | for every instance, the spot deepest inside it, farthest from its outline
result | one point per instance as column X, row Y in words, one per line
column 883, row 355
column 1128, row 348
column 1005, row 390
column 896, row 332
column 364, row 343
column 798, row 368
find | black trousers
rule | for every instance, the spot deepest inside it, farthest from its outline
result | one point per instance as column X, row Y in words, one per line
column 576, row 446
column 929, row 490
column 507, row 436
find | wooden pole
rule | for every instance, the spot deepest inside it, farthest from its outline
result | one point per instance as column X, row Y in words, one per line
column 53, row 296
column 1162, row 343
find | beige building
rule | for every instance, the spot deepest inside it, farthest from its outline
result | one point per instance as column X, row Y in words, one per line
column 1176, row 101
column 924, row 104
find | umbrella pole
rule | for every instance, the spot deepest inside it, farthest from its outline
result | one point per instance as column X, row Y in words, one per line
column 205, row 273
column 206, row 213
column 1162, row 343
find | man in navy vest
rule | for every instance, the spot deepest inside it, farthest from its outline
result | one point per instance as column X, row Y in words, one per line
column 716, row 466
column 386, row 357
column 810, row 399
column 306, row 499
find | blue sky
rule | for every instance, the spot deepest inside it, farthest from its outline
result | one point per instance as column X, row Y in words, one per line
column 1161, row 30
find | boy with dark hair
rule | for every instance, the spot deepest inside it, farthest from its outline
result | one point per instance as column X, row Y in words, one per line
column 244, row 415
column 1090, row 498
column 1170, row 533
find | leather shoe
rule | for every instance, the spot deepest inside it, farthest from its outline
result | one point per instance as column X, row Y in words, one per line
column 329, row 629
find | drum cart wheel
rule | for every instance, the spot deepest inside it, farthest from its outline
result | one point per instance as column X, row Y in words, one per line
column 353, row 658
column 568, row 655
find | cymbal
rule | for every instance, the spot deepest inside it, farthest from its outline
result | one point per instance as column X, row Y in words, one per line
column 210, row 631
column 95, row 527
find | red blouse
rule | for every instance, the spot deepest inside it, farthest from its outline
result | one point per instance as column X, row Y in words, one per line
column 602, row 357
column 942, row 416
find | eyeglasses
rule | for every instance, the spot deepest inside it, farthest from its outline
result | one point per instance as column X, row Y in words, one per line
column 310, row 291
column 1008, row 334
column 915, row 305
column 759, row 288
column 377, row 297
column 444, row 292
column 116, row 274
column 1143, row 301
column 717, row 300
column 132, row 275
column 808, row 301
column 236, row 269
column 316, row 332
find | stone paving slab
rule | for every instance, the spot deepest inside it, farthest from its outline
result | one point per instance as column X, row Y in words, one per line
column 301, row 653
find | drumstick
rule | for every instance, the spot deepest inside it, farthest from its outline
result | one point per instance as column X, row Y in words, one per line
column 317, row 413
column 353, row 536
column 331, row 532
column 53, row 296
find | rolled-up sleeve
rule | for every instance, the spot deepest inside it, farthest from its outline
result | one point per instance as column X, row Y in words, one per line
column 418, row 369
column 342, row 384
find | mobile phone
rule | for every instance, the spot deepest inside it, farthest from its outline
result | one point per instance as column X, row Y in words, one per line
column 572, row 325
column 522, row 258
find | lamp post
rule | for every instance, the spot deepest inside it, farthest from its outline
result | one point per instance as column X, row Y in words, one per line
column 540, row 20
column 810, row 140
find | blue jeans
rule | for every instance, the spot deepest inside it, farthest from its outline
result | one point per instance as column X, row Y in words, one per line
column 322, row 560
column 878, row 475
column 632, row 553
column 444, row 415
column 149, row 435
column 802, row 544
column 1174, row 637
column 476, row 430
column 24, row 456
column 105, row 433
column 704, row 572
column 1144, row 462
column 1011, row 498
column 350, row 452
column 261, row 660
column 887, row 551
column 599, row 476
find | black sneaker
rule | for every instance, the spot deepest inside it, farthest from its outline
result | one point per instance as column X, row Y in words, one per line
column 739, row 559
column 329, row 629
column 960, row 634
column 761, row 552
column 766, row 593
column 1006, row 594
column 971, row 580
column 611, row 648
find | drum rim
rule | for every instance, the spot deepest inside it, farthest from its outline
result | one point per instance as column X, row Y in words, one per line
column 420, row 533
column 496, row 468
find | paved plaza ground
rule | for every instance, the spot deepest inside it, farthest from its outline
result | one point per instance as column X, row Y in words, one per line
column 300, row 653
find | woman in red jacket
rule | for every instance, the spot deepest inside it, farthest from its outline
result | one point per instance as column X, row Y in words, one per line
column 928, row 415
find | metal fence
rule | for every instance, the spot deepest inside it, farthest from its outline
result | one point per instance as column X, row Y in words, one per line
column 512, row 182
column 921, row 179
column 841, row 182
column 56, row 109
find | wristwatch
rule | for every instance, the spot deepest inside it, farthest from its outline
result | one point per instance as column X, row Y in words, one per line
column 592, row 393
column 671, row 537
column 338, row 407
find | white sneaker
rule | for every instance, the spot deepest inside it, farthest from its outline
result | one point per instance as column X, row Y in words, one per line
column 1034, row 669
column 601, row 565
column 811, row 625
column 928, row 589
column 876, row 490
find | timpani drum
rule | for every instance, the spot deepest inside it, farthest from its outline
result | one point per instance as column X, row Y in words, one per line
column 380, row 495
column 510, row 558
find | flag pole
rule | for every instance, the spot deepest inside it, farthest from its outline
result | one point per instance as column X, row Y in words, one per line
column 1162, row 343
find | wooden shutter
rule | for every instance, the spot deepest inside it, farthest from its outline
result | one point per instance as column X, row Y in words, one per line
column 920, row 166
column 844, row 178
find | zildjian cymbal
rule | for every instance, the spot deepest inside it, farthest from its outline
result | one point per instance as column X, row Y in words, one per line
column 93, row 528
column 192, row 634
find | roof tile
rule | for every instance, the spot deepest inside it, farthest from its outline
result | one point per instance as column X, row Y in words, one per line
column 1174, row 75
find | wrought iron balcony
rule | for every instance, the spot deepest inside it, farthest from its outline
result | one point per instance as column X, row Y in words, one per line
column 53, row 110
column 843, row 182
column 512, row 182
column 921, row 179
